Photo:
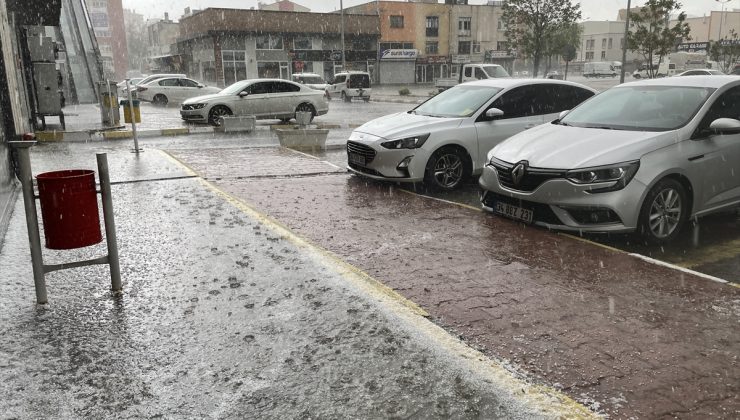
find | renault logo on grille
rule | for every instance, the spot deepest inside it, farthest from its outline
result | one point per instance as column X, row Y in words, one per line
column 517, row 174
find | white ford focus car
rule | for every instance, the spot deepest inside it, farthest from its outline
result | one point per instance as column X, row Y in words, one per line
column 644, row 156
column 445, row 139
column 263, row 98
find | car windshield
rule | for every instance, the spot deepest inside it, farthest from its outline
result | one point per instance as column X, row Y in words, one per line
column 235, row 88
column 495, row 71
column 460, row 101
column 640, row 108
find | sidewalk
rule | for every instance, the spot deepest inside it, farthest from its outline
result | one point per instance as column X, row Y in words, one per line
column 227, row 314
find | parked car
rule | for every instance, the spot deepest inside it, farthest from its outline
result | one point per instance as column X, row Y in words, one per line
column 645, row 156
column 122, row 85
column 445, row 139
column 701, row 72
column 554, row 75
column 348, row 85
column 172, row 89
column 263, row 98
column 312, row 80
column 470, row 72
column 148, row 79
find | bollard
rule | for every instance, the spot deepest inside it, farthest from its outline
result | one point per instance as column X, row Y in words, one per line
column 133, row 119
column 110, row 225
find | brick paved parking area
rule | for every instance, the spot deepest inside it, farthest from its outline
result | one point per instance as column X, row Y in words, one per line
column 627, row 338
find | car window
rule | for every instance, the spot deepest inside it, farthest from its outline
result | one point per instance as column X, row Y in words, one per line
column 359, row 81
column 259, row 88
column 565, row 97
column 479, row 74
column 283, row 87
column 340, row 79
column 468, row 72
column 726, row 106
column 518, row 102
column 188, row 83
column 168, row 82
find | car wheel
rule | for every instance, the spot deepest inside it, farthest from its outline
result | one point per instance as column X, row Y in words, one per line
column 216, row 113
column 159, row 100
column 446, row 169
column 304, row 107
column 664, row 211
column 346, row 98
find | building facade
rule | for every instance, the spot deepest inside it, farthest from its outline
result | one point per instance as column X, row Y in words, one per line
column 425, row 40
column 603, row 41
column 283, row 6
column 107, row 20
column 222, row 46
column 162, row 37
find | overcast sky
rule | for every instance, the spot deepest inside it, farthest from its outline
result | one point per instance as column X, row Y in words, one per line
column 592, row 9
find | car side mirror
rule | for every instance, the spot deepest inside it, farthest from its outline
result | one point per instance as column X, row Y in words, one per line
column 563, row 114
column 242, row 94
column 494, row 113
column 725, row 126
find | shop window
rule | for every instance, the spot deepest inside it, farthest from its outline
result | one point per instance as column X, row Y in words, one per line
column 302, row 43
column 234, row 65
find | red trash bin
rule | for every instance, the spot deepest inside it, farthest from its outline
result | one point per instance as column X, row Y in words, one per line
column 69, row 208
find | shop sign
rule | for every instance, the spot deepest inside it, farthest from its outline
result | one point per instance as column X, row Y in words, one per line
column 432, row 59
column 693, row 47
column 460, row 58
column 399, row 54
column 498, row 54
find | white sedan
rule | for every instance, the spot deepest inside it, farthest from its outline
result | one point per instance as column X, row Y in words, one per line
column 262, row 98
column 172, row 89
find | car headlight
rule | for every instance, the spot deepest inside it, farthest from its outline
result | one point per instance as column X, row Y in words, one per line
column 198, row 106
column 620, row 174
column 406, row 143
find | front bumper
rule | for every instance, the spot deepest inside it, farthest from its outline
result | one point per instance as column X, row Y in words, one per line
column 197, row 115
column 377, row 162
column 562, row 205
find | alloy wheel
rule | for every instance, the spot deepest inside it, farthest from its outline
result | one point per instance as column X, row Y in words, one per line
column 218, row 112
column 448, row 170
column 665, row 213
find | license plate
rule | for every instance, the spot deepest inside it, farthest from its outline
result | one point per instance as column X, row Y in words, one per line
column 357, row 159
column 513, row 212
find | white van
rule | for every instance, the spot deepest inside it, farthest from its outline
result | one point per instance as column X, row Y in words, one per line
column 348, row 85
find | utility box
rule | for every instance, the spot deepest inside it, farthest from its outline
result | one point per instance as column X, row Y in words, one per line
column 110, row 113
column 46, row 81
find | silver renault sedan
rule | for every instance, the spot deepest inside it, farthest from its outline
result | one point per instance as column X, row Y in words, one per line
column 645, row 157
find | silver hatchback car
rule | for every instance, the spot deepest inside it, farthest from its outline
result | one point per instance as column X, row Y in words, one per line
column 644, row 156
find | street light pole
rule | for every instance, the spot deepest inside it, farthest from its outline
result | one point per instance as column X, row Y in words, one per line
column 344, row 61
column 721, row 18
column 624, row 43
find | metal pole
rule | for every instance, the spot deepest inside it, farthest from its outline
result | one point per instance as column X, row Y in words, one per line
column 133, row 116
column 624, row 47
column 32, row 221
column 344, row 61
column 721, row 18
column 110, row 224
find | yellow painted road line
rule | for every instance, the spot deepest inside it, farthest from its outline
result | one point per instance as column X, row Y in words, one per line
column 590, row 242
column 675, row 267
column 549, row 401
column 712, row 254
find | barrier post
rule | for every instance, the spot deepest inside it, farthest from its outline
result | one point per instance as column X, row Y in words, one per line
column 110, row 225
column 32, row 222
column 133, row 116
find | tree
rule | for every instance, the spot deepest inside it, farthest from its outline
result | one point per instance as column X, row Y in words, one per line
column 726, row 51
column 530, row 25
column 651, row 35
column 567, row 35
